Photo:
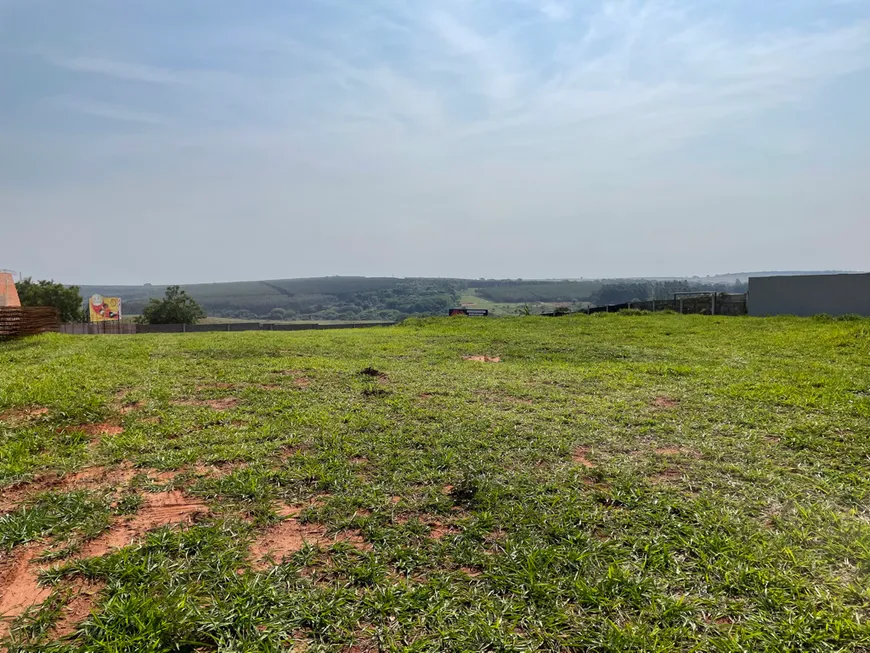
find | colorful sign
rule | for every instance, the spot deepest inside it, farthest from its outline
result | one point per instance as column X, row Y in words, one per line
column 104, row 309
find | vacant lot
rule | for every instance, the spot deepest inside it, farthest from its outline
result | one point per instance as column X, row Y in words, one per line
column 592, row 483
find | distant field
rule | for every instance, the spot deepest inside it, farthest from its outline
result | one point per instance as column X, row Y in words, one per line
column 598, row 483
column 501, row 309
column 550, row 291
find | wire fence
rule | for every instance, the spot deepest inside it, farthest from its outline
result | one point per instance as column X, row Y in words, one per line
column 685, row 303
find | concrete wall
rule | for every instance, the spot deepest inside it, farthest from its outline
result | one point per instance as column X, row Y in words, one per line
column 834, row 294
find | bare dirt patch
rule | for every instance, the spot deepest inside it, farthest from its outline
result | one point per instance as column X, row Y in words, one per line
column 215, row 404
column 19, row 587
column 285, row 510
column 470, row 571
column 437, row 530
column 290, row 536
column 159, row 509
column 579, row 456
column 96, row 430
column 678, row 451
column 16, row 415
column 483, row 359
column 126, row 409
column 299, row 379
column 78, row 607
column 663, row 401
column 667, row 476
column 89, row 478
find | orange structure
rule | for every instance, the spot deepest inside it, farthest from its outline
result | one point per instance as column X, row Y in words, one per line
column 8, row 293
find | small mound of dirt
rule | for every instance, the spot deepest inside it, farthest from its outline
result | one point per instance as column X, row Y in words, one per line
column 483, row 359
column 579, row 457
column 371, row 371
column 290, row 536
column 160, row 509
column 23, row 414
column 665, row 402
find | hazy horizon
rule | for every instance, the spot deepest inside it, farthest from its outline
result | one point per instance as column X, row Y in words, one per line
column 166, row 142
column 742, row 275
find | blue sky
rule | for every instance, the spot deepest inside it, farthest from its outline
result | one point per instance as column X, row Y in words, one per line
column 173, row 140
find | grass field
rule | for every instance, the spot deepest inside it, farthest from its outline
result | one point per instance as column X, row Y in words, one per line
column 611, row 483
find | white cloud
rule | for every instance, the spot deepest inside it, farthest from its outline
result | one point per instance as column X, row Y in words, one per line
column 109, row 111
column 122, row 70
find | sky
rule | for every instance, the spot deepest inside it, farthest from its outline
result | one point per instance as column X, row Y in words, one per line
column 182, row 141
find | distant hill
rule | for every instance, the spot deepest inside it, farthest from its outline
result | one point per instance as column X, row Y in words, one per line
column 386, row 298
column 325, row 298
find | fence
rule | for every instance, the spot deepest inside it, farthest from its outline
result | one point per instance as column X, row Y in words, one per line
column 117, row 328
column 18, row 322
column 696, row 303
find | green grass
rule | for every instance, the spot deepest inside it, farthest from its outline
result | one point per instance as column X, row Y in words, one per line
column 616, row 483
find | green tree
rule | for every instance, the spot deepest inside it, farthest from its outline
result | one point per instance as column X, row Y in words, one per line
column 66, row 299
column 177, row 307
